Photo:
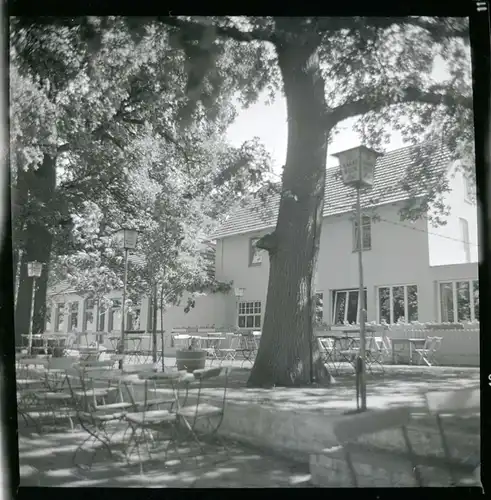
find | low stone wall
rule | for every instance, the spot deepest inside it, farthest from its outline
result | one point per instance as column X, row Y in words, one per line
column 300, row 434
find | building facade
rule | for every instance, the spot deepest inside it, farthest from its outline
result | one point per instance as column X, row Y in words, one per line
column 413, row 270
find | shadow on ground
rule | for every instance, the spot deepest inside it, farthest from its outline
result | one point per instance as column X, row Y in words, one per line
column 395, row 385
column 46, row 460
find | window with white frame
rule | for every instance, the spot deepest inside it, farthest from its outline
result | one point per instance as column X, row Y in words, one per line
column 101, row 316
column 345, row 306
column 89, row 319
column 73, row 317
column 133, row 319
column 60, row 317
column 397, row 303
column 366, row 234
column 115, row 315
column 464, row 234
column 319, row 307
column 255, row 254
column 48, row 318
column 249, row 315
column 459, row 301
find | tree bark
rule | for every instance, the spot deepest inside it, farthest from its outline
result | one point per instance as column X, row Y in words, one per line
column 23, row 303
column 154, row 321
column 42, row 184
column 288, row 354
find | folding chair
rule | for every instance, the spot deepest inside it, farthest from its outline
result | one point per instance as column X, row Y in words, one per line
column 247, row 347
column 212, row 348
column 428, row 351
column 373, row 353
column 462, row 402
column 326, row 349
column 92, row 416
column 192, row 414
column 29, row 405
column 57, row 397
column 146, row 421
column 228, row 353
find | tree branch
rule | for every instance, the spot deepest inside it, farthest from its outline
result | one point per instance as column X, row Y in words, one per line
column 223, row 31
column 376, row 103
column 440, row 28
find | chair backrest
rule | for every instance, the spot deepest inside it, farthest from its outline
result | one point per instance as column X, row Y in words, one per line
column 350, row 428
column 428, row 343
column 460, row 401
column 382, row 344
column 436, row 344
column 326, row 344
column 248, row 341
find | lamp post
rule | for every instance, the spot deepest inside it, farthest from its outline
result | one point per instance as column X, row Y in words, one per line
column 128, row 238
column 34, row 270
column 357, row 169
column 238, row 292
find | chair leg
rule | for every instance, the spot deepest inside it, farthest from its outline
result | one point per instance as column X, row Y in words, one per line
column 351, row 468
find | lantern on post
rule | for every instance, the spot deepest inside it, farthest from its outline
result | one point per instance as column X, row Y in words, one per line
column 239, row 293
column 357, row 170
column 128, row 238
column 34, row 270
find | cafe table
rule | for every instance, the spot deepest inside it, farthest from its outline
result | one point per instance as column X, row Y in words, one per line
column 413, row 344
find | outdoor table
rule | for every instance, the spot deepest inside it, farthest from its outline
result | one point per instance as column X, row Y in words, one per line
column 412, row 343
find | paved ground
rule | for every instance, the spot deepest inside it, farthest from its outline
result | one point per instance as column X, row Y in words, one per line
column 396, row 385
column 46, row 460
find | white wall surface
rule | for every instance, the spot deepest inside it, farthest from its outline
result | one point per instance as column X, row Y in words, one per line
column 445, row 242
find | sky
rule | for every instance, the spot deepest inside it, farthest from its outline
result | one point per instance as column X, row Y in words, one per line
column 268, row 123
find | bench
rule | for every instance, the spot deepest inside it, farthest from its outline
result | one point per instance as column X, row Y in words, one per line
column 354, row 463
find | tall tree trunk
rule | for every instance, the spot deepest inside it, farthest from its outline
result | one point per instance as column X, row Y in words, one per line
column 39, row 316
column 23, row 303
column 288, row 354
column 42, row 184
column 153, row 299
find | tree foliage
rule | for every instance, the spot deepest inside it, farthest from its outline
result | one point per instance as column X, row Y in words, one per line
column 378, row 70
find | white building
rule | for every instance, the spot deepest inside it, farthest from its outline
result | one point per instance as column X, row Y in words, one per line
column 412, row 270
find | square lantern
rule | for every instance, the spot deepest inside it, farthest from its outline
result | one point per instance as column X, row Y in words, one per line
column 239, row 292
column 127, row 238
column 358, row 166
column 34, row 269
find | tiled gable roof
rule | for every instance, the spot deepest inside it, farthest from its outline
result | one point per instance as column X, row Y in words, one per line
column 388, row 187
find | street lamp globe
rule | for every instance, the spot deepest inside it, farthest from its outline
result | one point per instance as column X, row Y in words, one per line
column 34, row 269
column 358, row 166
column 127, row 237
